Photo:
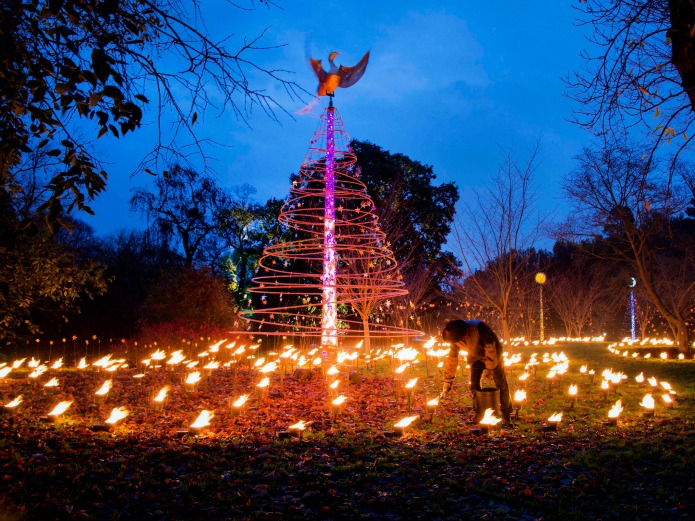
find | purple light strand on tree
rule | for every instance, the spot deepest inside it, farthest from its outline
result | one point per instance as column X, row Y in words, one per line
column 329, row 318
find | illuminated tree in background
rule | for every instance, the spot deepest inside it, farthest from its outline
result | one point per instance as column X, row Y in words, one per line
column 335, row 267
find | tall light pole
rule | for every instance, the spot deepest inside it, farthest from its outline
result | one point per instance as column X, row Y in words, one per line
column 633, row 283
column 540, row 279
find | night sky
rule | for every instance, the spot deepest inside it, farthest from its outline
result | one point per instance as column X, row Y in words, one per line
column 449, row 84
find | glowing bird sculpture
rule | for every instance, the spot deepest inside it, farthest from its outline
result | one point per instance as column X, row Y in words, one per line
column 336, row 76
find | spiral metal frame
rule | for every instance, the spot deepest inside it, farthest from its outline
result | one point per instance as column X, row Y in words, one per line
column 333, row 221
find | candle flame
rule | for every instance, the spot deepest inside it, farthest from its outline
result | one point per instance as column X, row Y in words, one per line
column 335, row 384
column 83, row 363
column 573, row 390
column 268, row 368
column 652, row 381
column 666, row 398
column 434, row 402
column 489, row 418
column 520, row 395
column 53, row 382
column 203, row 419
column 523, row 377
column 430, row 342
column 339, row 400
column 17, row 363
column 647, row 401
column 193, row 378
column 162, row 394
column 263, row 383
column 57, row 364
column 411, row 383
column 239, row 402
column 405, row 422
column 104, row 389
column 557, row 417
column 117, row 414
column 5, row 371
column 299, row 426
column 158, row 355
column 60, row 408
column 639, row 378
column 616, row 409
column 14, row 403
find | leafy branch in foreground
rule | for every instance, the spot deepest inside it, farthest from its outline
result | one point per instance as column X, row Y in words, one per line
column 70, row 60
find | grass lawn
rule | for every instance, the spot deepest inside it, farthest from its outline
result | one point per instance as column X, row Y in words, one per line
column 351, row 464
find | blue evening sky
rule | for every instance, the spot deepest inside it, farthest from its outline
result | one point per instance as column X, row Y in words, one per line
column 449, row 84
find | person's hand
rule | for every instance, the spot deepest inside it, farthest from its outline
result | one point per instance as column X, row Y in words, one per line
column 487, row 375
column 446, row 388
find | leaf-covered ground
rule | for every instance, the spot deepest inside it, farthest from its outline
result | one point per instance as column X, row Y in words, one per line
column 352, row 465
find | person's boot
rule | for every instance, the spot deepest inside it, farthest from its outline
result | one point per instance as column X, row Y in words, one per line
column 507, row 419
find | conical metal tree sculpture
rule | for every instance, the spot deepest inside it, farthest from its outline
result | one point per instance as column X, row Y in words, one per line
column 335, row 265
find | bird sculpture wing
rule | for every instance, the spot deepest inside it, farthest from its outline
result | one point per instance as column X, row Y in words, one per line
column 350, row 75
column 318, row 69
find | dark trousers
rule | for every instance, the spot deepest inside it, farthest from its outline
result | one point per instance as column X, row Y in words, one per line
column 500, row 378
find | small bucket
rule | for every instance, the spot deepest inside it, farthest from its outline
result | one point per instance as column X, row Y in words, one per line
column 486, row 398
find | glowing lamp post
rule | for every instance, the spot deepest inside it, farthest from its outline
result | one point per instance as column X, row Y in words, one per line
column 540, row 280
column 633, row 283
column 648, row 404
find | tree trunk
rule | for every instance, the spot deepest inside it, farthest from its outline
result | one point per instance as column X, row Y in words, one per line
column 683, row 338
column 682, row 35
column 367, row 346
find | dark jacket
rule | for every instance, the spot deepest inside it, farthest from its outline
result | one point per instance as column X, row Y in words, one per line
column 477, row 339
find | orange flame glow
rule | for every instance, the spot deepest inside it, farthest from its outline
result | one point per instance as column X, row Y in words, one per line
column 647, row 401
column 203, row 419
column 117, row 414
column 60, row 408
column 616, row 409
column 104, row 389
column 405, row 422
column 489, row 418
column 556, row 418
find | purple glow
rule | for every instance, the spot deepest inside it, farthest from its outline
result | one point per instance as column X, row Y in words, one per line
column 329, row 316
column 632, row 314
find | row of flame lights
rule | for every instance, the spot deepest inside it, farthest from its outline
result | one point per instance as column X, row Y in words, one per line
column 402, row 359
